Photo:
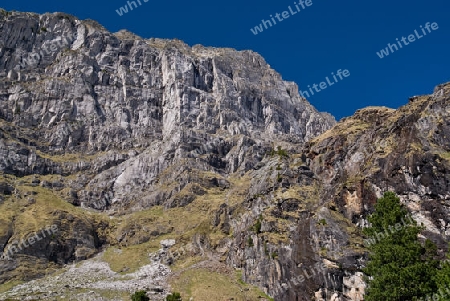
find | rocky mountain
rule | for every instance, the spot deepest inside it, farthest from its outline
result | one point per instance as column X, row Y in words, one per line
column 166, row 167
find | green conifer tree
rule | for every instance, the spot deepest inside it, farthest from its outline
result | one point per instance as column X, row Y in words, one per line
column 443, row 280
column 400, row 268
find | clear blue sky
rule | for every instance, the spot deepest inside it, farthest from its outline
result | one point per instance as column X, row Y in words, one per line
column 306, row 47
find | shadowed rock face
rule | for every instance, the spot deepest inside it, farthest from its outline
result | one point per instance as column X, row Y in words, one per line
column 121, row 124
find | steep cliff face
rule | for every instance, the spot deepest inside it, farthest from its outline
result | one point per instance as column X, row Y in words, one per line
column 120, row 124
column 149, row 104
column 193, row 168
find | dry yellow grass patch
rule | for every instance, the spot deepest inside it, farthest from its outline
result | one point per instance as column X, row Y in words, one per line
column 204, row 285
